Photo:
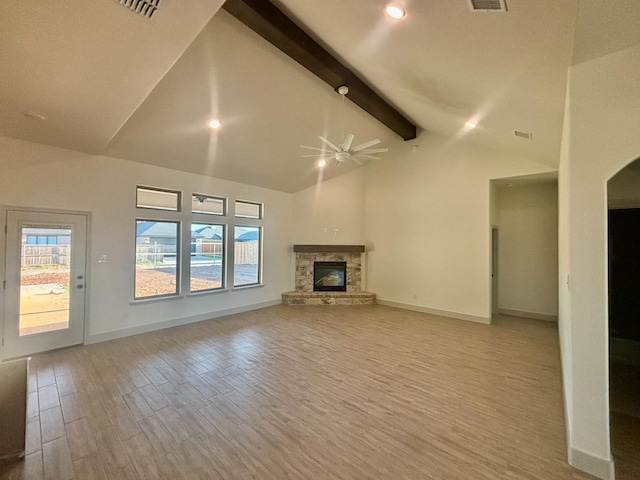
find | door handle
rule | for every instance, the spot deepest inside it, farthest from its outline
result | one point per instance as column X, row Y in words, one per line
column 80, row 286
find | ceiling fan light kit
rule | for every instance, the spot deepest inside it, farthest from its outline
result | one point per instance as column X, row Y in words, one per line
column 343, row 152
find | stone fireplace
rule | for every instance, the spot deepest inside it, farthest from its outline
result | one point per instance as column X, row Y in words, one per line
column 328, row 274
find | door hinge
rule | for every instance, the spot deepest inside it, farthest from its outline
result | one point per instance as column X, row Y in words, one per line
column 4, row 284
column 5, row 229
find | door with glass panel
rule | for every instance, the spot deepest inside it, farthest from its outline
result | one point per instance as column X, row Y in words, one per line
column 44, row 294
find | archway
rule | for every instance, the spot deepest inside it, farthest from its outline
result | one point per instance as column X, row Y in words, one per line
column 623, row 202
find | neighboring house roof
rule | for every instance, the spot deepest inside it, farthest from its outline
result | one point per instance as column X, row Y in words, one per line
column 155, row 229
column 165, row 229
column 206, row 232
column 245, row 237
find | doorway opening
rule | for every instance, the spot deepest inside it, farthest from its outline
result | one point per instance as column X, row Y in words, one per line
column 623, row 198
column 494, row 270
column 524, row 247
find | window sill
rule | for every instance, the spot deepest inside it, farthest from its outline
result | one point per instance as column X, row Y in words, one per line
column 247, row 287
column 207, row 292
column 141, row 301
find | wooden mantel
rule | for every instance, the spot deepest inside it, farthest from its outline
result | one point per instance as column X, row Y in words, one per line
column 328, row 248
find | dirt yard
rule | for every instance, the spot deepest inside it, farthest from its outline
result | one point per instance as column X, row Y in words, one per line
column 148, row 282
column 156, row 282
column 61, row 278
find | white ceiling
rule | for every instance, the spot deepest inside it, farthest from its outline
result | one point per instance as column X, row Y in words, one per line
column 86, row 65
column 111, row 82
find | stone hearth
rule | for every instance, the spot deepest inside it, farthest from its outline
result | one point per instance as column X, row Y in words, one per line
column 328, row 298
column 306, row 255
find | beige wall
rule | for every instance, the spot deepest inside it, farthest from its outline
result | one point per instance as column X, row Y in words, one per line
column 428, row 225
column 603, row 137
column 564, row 267
column 331, row 212
column 528, row 249
column 45, row 177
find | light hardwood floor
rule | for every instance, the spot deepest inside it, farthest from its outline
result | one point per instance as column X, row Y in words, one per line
column 326, row 392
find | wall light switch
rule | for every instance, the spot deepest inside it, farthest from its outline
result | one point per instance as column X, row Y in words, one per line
column 102, row 259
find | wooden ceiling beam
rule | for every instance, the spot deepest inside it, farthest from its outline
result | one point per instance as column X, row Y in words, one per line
column 264, row 18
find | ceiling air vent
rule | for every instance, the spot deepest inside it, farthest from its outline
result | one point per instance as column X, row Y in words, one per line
column 525, row 135
column 145, row 8
column 488, row 5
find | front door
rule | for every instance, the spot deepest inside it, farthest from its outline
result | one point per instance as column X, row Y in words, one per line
column 44, row 294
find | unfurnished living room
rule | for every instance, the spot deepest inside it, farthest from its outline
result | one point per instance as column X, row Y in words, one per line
column 304, row 239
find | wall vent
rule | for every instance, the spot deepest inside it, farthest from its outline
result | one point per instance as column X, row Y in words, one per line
column 525, row 135
column 488, row 5
column 146, row 8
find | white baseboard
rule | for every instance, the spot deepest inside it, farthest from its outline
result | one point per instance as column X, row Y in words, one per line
column 151, row 327
column 600, row 467
column 433, row 311
column 535, row 316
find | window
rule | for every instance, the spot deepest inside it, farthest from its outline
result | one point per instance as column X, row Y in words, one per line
column 157, row 258
column 247, row 255
column 207, row 257
column 248, row 209
column 42, row 239
column 157, row 199
column 208, row 205
column 182, row 249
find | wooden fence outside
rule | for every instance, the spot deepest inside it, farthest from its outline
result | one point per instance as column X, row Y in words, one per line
column 211, row 247
column 33, row 255
column 150, row 253
column 247, row 253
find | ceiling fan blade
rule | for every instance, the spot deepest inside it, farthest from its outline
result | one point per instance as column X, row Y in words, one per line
column 356, row 160
column 348, row 140
column 327, row 154
column 324, row 140
column 373, row 150
column 315, row 148
column 368, row 156
column 364, row 145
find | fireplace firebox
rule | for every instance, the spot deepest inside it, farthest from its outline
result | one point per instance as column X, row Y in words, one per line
column 330, row 276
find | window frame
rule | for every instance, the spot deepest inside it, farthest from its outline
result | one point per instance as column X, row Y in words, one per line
column 215, row 197
column 178, row 253
column 259, row 281
column 178, row 194
column 184, row 217
column 223, row 263
column 260, row 206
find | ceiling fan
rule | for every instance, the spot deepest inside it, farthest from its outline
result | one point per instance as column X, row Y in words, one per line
column 343, row 152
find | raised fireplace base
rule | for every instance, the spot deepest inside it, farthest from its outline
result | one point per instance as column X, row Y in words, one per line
column 328, row 298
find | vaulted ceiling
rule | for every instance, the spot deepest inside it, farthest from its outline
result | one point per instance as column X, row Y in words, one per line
column 111, row 82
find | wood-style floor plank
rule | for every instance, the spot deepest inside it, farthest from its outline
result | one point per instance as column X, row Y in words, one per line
column 313, row 393
column 57, row 460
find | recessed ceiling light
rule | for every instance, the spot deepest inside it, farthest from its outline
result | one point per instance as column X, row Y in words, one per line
column 34, row 116
column 214, row 124
column 321, row 163
column 395, row 11
column 471, row 124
